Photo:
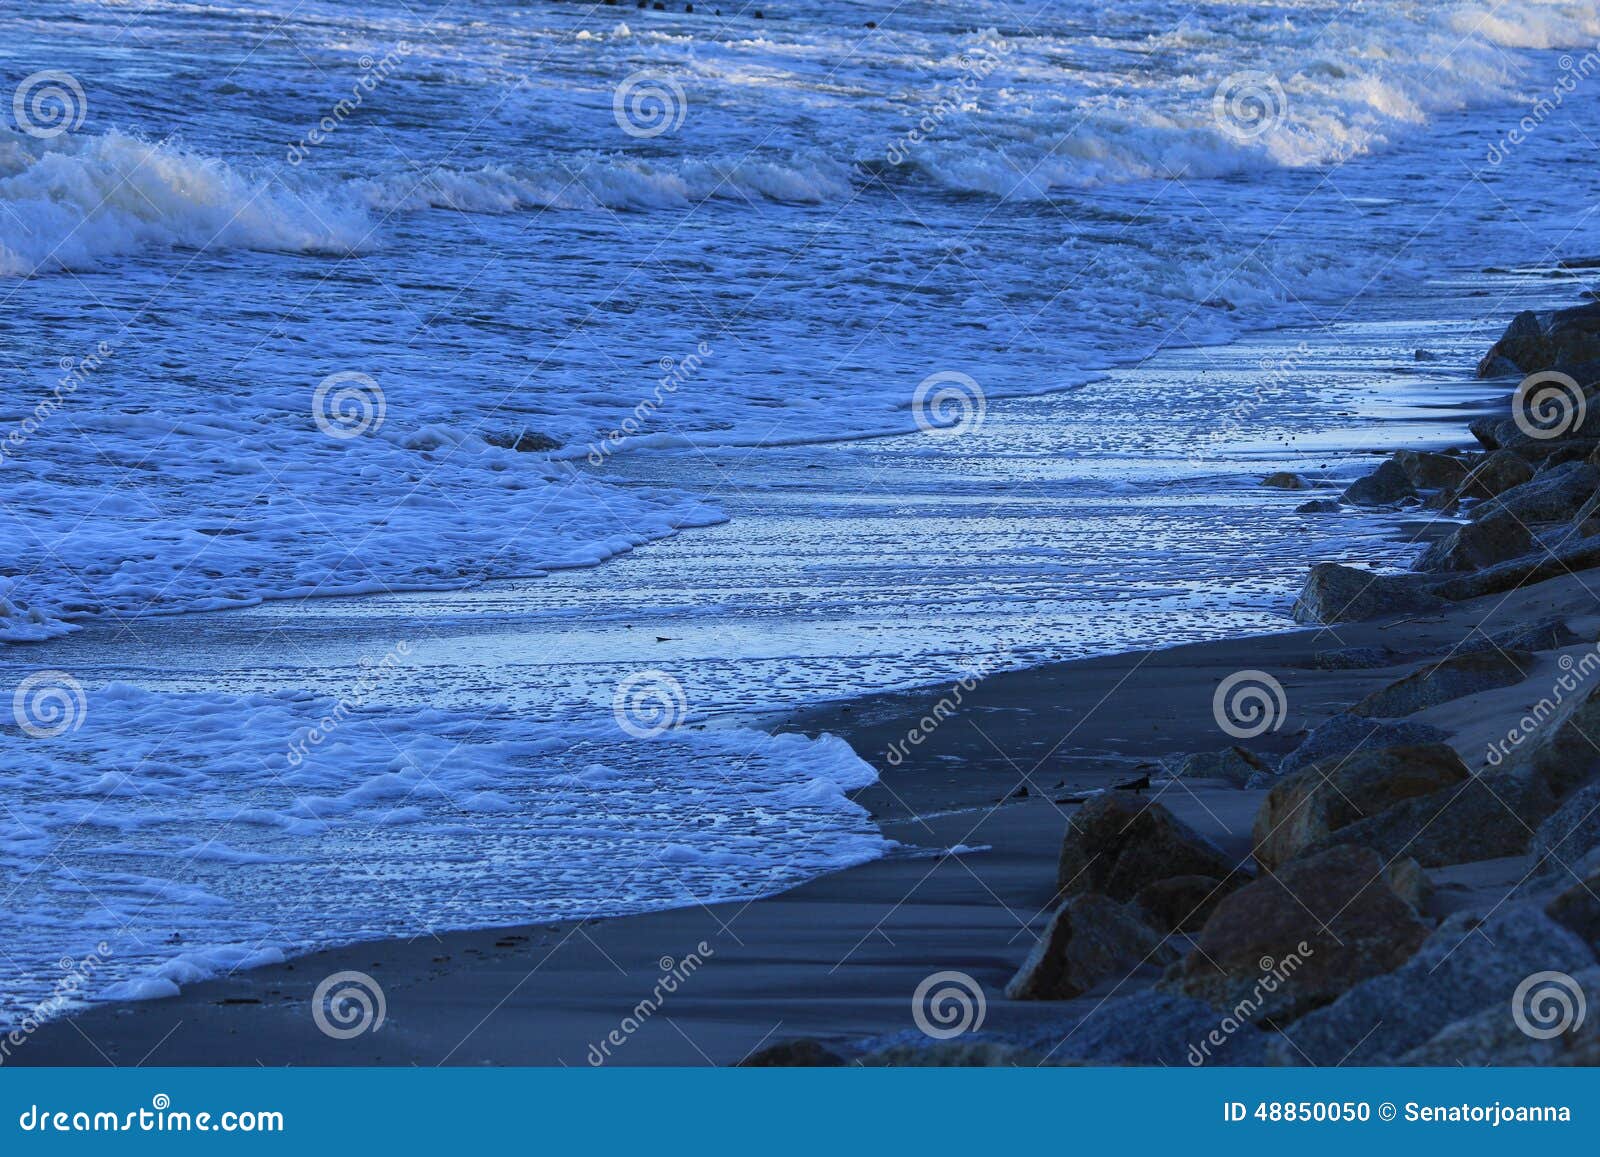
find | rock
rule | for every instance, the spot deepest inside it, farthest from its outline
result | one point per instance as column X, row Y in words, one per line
column 1553, row 496
column 1345, row 733
column 524, row 442
column 1578, row 906
column 1445, row 680
column 1089, row 939
column 1343, row 594
column 1564, row 752
column 1410, row 883
column 1353, row 659
column 1541, row 341
column 1495, row 474
column 1544, row 635
column 1286, row 480
column 1305, row 809
column 1294, row 940
column 1429, row 471
column 1117, row 844
column 1482, row 818
column 1553, row 562
column 1153, row 1028
column 1319, row 506
column 1235, row 765
column 1493, row 1037
column 1385, row 486
column 1182, row 903
column 801, row 1053
column 1475, row 545
column 1570, row 834
column 1469, row 964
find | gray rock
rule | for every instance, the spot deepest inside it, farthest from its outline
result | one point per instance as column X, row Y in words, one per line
column 1343, row 594
column 1544, row 635
column 1570, row 834
column 1445, row 680
column 1564, row 751
column 1483, row 818
column 1089, row 939
column 1577, row 906
column 1541, row 341
column 523, row 441
column 1353, row 659
column 1559, row 560
column 1493, row 1036
column 1385, row 486
column 1182, row 903
column 1154, row 1028
column 1345, row 733
column 1319, row 506
column 1478, row 544
column 1234, row 765
column 1496, row 473
column 1116, row 844
column 1429, row 471
column 1467, row 965
column 1551, row 496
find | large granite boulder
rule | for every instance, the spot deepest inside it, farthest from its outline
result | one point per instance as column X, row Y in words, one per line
column 1575, row 901
column 1345, row 733
column 1334, row 593
column 1428, row 471
column 1469, row 964
column 1556, row 561
column 1385, row 486
column 1570, row 834
column 1183, row 903
column 1565, row 741
column 1303, row 810
column 1233, row 765
column 1496, row 473
column 1494, row 1036
column 1152, row 1028
column 1089, row 939
column 1542, row 635
column 1475, row 545
column 1116, row 844
column 1294, row 940
column 1445, row 680
column 1550, row 496
column 1542, row 341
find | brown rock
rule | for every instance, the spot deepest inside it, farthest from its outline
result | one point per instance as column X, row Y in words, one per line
column 1286, row 480
column 1294, row 940
column 1116, row 844
column 1089, row 939
column 1306, row 808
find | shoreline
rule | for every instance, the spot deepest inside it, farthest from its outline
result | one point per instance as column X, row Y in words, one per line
column 978, row 912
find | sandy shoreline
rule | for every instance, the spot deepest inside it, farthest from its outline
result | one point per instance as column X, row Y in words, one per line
column 837, row 958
